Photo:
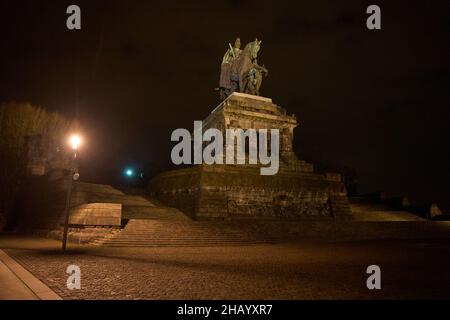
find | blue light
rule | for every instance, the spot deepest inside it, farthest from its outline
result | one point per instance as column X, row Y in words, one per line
column 129, row 172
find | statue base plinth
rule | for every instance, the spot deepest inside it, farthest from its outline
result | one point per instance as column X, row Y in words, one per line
column 223, row 191
column 235, row 191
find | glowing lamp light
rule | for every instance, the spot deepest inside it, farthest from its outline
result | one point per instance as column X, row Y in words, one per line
column 75, row 141
column 129, row 173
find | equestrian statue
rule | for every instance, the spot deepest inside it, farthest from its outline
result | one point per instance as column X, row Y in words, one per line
column 240, row 71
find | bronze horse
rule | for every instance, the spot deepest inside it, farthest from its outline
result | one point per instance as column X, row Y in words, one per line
column 245, row 73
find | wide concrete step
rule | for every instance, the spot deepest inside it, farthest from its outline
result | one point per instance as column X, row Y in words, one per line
column 178, row 238
column 180, row 245
column 206, row 240
column 163, row 240
column 144, row 232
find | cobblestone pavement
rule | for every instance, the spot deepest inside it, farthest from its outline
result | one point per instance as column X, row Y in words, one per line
column 410, row 269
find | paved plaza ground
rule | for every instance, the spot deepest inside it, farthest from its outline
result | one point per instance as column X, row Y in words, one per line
column 308, row 270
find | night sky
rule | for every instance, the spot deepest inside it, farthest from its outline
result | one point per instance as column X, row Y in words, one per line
column 375, row 101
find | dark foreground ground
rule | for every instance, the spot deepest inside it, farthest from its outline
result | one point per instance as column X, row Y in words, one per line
column 410, row 269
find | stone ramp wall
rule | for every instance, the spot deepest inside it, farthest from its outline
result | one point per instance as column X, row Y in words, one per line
column 97, row 214
column 44, row 199
column 43, row 203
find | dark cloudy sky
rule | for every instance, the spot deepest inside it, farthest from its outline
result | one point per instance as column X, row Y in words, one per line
column 376, row 101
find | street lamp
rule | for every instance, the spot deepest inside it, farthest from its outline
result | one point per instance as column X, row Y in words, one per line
column 74, row 141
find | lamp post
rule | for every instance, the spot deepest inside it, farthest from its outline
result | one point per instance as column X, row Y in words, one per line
column 74, row 141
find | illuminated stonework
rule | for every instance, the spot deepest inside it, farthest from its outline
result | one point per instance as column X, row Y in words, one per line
column 237, row 191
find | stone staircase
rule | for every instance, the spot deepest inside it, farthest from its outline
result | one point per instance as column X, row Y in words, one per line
column 152, row 212
column 139, row 207
column 340, row 207
column 165, row 233
column 366, row 209
column 133, row 206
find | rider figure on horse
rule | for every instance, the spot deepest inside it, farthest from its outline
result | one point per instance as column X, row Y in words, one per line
column 240, row 71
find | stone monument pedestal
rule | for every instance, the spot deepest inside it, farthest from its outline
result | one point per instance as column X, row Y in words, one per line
column 224, row 191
